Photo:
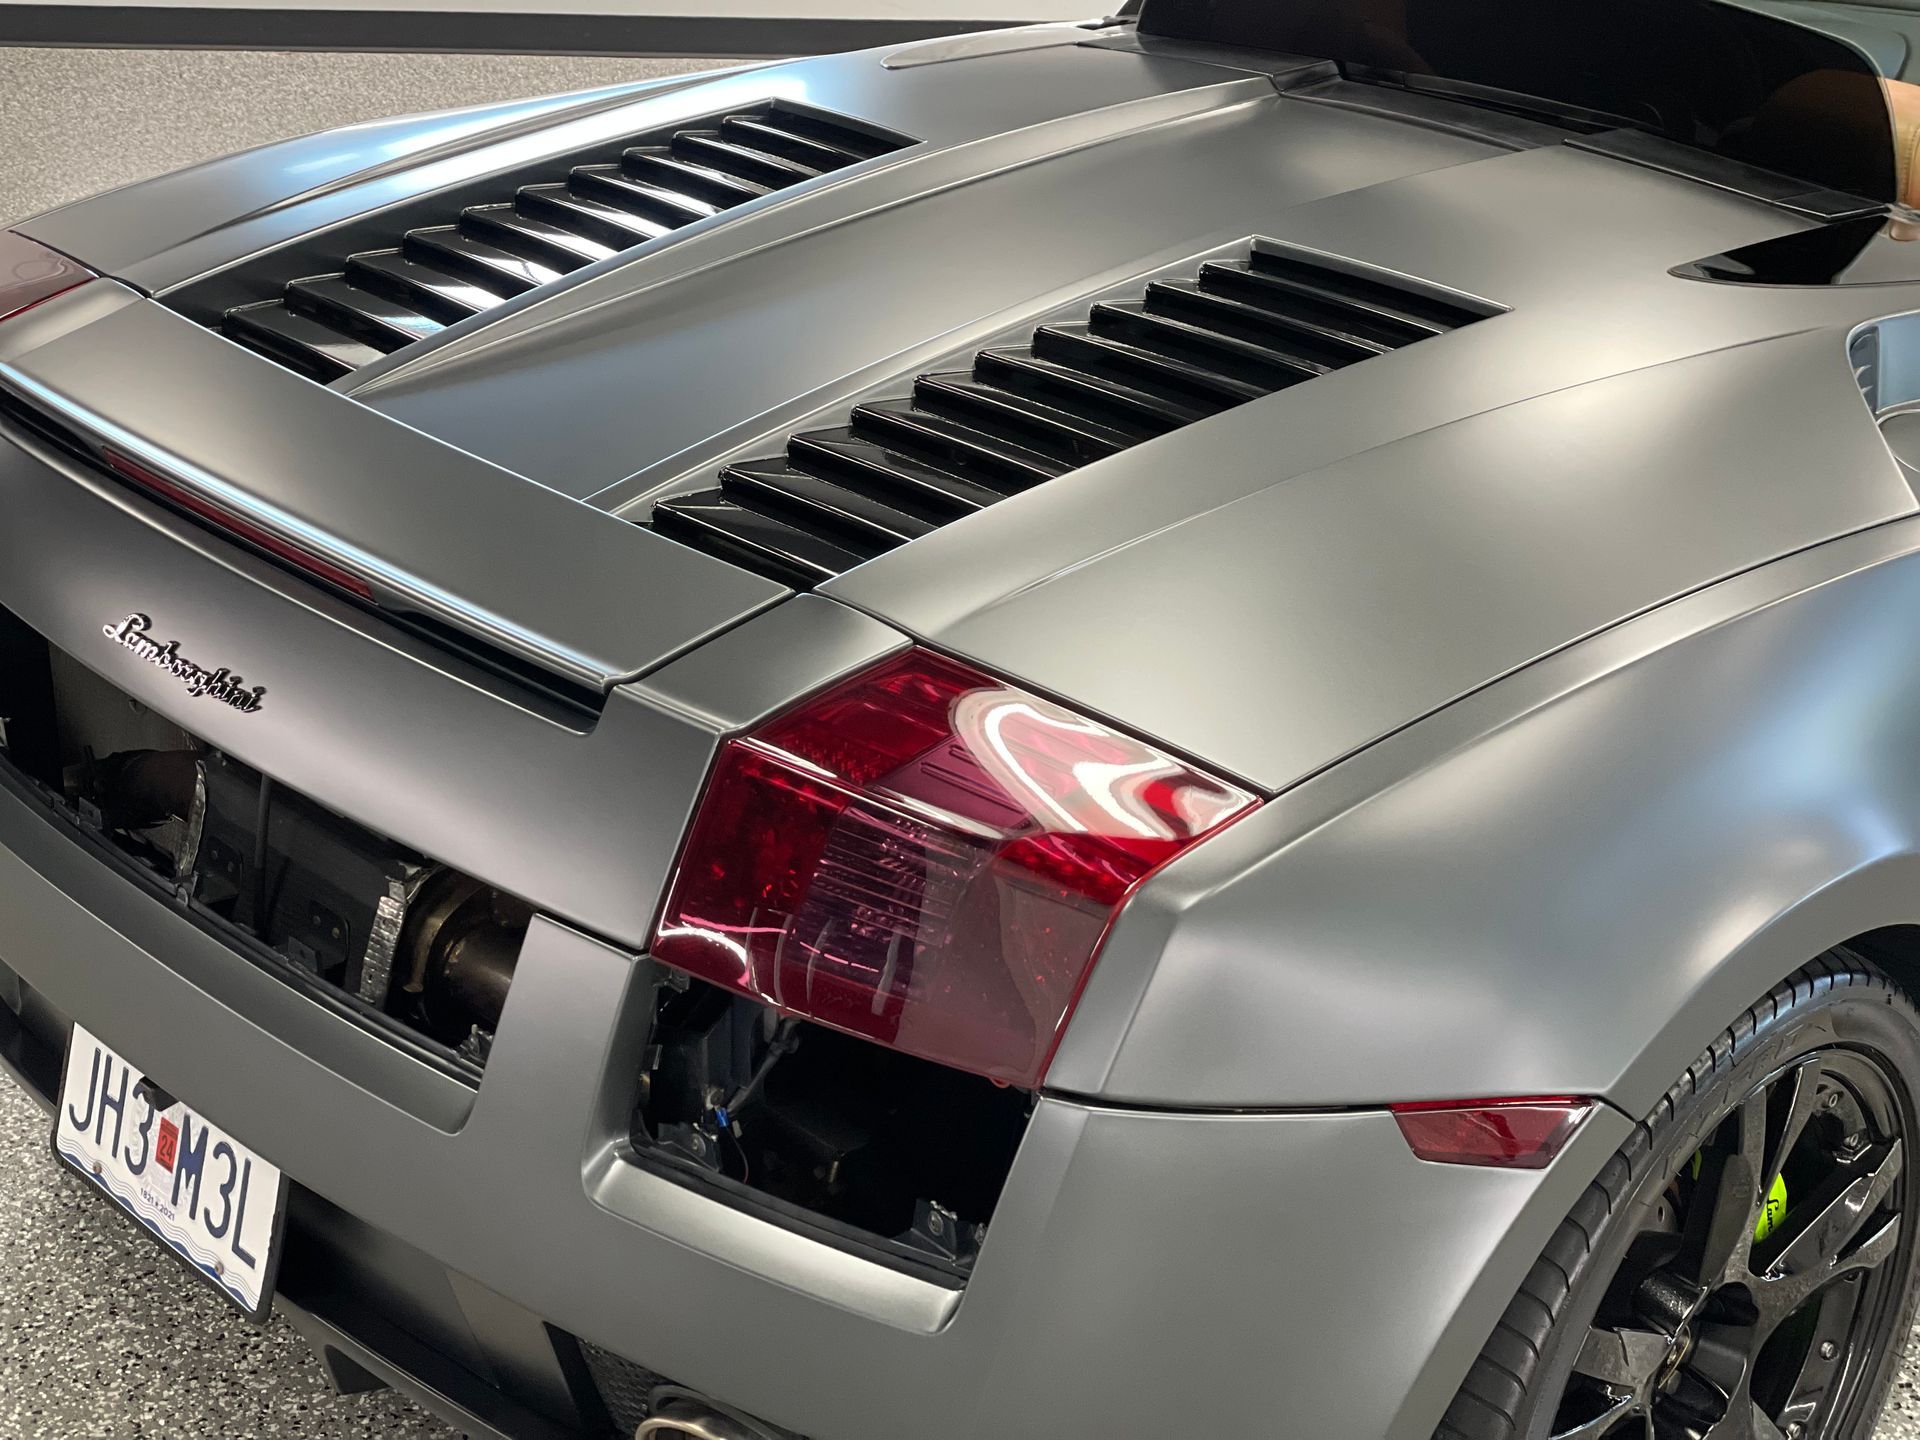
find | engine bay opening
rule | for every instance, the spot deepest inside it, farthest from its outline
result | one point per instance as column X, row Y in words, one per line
column 348, row 914
column 904, row 1155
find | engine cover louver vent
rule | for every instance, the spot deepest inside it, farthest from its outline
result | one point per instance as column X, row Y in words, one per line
column 330, row 325
column 1077, row 393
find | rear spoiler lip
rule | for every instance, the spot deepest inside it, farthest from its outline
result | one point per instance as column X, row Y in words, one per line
column 393, row 588
column 442, row 538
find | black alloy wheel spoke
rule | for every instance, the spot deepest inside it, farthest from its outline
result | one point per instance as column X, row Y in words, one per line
column 1802, row 1084
column 1626, row 1363
column 1624, row 1359
column 1611, row 1423
column 1744, row 1421
column 1727, row 1205
column 1822, row 1248
column 1720, row 1357
column 1740, row 1308
column 1824, row 1236
column 1785, row 1295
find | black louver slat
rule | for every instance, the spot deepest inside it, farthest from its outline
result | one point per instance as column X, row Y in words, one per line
column 411, row 285
column 326, row 326
column 1132, row 371
column 378, row 321
column 573, row 207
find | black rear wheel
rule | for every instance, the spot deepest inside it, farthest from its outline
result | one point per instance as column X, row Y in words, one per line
column 1744, row 1267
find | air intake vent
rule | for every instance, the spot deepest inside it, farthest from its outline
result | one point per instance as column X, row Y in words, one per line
column 329, row 325
column 1078, row 393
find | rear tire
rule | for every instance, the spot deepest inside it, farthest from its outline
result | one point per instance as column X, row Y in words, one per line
column 1669, row 1304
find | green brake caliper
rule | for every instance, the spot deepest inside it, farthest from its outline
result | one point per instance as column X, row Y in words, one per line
column 1772, row 1213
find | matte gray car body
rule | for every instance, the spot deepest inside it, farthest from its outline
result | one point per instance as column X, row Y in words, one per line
column 1578, row 651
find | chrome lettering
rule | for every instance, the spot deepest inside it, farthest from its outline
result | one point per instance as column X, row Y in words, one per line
column 134, row 634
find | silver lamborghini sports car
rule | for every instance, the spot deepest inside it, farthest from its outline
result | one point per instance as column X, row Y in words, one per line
column 1207, row 725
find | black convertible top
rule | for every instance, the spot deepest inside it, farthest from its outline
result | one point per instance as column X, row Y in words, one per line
column 1734, row 82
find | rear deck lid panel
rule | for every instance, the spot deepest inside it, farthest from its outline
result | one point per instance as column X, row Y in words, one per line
column 568, row 588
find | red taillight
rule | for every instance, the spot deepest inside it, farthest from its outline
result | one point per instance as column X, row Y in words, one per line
column 31, row 273
column 285, row 550
column 930, row 858
column 1515, row 1134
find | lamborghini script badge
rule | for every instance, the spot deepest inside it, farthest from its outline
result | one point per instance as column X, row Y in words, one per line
column 135, row 634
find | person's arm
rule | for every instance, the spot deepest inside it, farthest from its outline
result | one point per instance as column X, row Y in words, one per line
column 1904, row 101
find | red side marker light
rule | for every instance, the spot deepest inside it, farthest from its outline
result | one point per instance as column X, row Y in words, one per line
column 245, row 530
column 30, row 273
column 929, row 858
column 1523, row 1134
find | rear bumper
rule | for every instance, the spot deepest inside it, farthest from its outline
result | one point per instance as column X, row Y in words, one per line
column 359, row 1348
column 1143, row 1268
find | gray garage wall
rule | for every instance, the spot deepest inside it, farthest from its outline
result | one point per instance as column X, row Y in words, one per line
column 763, row 10
column 650, row 27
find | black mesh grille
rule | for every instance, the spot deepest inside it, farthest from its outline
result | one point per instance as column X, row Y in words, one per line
column 1133, row 370
column 623, row 1386
column 329, row 325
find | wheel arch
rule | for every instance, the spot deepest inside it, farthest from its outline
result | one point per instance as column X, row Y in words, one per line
column 1872, row 910
column 1510, row 1374
column 1895, row 948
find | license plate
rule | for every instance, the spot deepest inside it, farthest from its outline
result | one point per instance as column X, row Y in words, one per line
column 196, row 1189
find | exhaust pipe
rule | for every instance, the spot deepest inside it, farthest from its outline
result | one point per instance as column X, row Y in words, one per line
column 684, row 1417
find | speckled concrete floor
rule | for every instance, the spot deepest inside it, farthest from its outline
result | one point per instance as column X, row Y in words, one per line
column 102, row 1338
column 1901, row 1419
column 99, row 1339
column 73, row 122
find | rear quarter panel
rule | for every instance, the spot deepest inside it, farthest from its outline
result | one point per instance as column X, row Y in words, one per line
column 1567, row 883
